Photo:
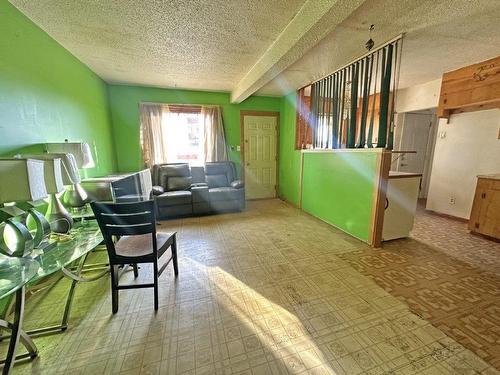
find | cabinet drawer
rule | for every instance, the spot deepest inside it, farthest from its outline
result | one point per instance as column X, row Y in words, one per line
column 495, row 184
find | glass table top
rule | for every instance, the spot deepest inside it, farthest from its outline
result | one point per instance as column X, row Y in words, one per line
column 82, row 239
column 82, row 213
column 15, row 273
column 86, row 213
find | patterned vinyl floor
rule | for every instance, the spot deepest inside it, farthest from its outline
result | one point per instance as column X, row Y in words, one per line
column 447, row 276
column 267, row 291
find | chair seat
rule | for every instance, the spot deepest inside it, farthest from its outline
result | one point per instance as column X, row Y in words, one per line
column 224, row 194
column 141, row 245
column 174, row 198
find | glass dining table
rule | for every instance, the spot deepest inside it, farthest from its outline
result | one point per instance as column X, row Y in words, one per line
column 15, row 273
column 68, row 254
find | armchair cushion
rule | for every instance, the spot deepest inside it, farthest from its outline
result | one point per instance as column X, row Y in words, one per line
column 158, row 190
column 237, row 184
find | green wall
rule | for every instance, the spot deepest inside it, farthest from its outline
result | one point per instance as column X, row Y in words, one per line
column 339, row 187
column 124, row 104
column 47, row 95
column 289, row 158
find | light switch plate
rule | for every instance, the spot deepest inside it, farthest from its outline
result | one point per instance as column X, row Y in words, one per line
column 238, row 148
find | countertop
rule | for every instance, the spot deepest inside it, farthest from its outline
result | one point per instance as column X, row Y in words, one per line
column 396, row 174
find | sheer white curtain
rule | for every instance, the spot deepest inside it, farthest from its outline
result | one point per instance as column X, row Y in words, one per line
column 215, row 139
column 153, row 130
column 161, row 140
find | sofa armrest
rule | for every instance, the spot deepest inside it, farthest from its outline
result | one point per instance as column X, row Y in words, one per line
column 237, row 184
column 200, row 193
column 158, row 190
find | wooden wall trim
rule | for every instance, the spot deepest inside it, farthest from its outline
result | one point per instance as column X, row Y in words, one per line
column 384, row 165
column 471, row 88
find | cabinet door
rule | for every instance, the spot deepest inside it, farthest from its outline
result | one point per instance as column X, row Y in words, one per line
column 483, row 185
column 489, row 223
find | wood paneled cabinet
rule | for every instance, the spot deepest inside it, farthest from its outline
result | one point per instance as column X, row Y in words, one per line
column 485, row 214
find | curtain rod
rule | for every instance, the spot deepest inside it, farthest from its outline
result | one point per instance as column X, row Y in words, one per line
column 396, row 38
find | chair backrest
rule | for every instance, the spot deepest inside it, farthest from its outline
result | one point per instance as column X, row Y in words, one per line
column 125, row 219
column 132, row 187
column 219, row 174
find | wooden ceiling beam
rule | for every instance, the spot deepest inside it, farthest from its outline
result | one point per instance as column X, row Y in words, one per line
column 313, row 22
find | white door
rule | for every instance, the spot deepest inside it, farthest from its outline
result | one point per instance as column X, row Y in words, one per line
column 414, row 136
column 260, row 154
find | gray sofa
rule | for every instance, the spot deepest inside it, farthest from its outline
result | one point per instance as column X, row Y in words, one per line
column 180, row 190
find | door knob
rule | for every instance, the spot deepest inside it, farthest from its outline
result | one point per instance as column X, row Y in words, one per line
column 248, row 164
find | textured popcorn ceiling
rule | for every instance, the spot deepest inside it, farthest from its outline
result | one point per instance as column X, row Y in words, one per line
column 245, row 46
column 184, row 43
column 441, row 35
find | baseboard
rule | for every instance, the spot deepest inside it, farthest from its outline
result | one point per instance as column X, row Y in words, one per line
column 447, row 216
column 288, row 202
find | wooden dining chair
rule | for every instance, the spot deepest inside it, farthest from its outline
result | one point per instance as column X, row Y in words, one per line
column 130, row 236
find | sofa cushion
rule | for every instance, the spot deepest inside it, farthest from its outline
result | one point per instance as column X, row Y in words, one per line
column 217, row 180
column 174, row 198
column 167, row 171
column 224, row 194
column 177, row 183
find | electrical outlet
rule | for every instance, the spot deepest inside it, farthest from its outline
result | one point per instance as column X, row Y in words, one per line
column 452, row 200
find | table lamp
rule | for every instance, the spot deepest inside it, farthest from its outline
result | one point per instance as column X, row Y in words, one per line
column 75, row 195
column 58, row 171
column 23, row 181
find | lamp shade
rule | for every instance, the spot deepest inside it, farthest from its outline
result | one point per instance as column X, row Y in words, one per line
column 81, row 151
column 69, row 169
column 53, row 176
column 22, row 180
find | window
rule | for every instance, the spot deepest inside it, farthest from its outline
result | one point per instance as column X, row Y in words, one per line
column 184, row 135
column 176, row 133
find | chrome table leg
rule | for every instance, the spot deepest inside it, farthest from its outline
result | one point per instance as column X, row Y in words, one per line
column 17, row 334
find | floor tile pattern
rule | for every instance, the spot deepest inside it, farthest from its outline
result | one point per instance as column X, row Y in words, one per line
column 265, row 291
column 452, row 238
column 447, row 276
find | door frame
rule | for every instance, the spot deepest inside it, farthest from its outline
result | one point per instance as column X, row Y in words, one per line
column 244, row 113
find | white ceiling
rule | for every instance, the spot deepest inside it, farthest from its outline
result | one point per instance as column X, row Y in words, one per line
column 193, row 44
column 245, row 46
column 440, row 35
